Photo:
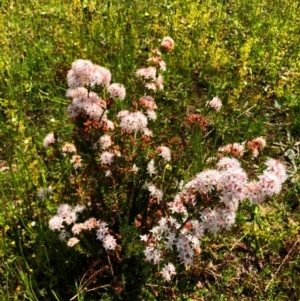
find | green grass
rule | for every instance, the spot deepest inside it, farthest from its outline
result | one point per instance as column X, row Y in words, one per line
column 246, row 53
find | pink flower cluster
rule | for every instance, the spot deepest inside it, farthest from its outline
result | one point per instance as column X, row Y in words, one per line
column 109, row 242
column 151, row 79
column 86, row 74
column 86, row 103
column 165, row 152
column 167, row 44
column 268, row 184
column 155, row 192
column 117, row 91
column 256, row 145
column 151, row 76
column 149, row 104
column 158, row 61
column 107, row 157
column 81, row 78
column 134, row 122
column 147, row 73
column 72, row 242
column 66, row 216
column 68, row 148
column 105, row 141
column 49, row 140
column 215, row 103
column 76, row 161
column 237, row 149
column 216, row 194
column 151, row 168
column 206, row 203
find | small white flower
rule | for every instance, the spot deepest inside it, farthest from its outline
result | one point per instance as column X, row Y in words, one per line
column 72, row 242
column 168, row 271
column 144, row 237
column 150, row 168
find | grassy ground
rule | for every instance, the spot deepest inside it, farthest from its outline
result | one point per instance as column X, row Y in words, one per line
column 247, row 53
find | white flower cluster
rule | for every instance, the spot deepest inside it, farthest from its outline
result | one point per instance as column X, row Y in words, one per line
column 109, row 242
column 226, row 187
column 87, row 103
column 66, row 216
column 155, row 192
column 151, row 76
column 165, row 152
column 134, row 122
column 85, row 73
column 83, row 76
column 117, row 90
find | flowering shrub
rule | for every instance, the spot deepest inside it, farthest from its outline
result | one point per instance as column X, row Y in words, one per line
column 123, row 175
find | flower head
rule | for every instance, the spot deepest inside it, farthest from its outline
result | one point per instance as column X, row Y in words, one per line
column 199, row 120
column 109, row 242
column 277, row 168
column 76, row 161
column 167, row 44
column 148, row 102
column 215, row 103
column 49, row 140
column 85, row 73
column 117, row 91
column 79, row 74
column 107, row 157
column 105, row 141
column 91, row 106
column 147, row 73
column 235, row 149
column 150, row 168
column 155, row 192
column 226, row 163
column 165, row 152
column 72, row 241
column 133, row 121
column 68, row 148
column 100, row 76
column 168, row 271
column 256, row 145
column 55, row 223
column 157, row 60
